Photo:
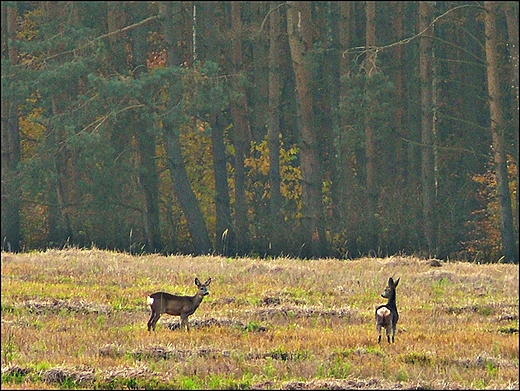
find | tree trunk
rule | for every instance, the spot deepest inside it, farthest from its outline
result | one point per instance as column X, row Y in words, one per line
column 261, row 58
column 241, row 131
column 276, row 230
column 509, row 246
column 299, row 28
column 370, row 151
column 224, row 231
column 512, row 29
column 225, row 234
column 59, row 227
column 183, row 191
column 400, row 130
column 11, row 235
column 60, row 182
column 146, row 142
column 427, row 166
column 345, row 166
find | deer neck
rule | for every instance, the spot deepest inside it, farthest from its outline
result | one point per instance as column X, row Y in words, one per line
column 197, row 299
column 391, row 301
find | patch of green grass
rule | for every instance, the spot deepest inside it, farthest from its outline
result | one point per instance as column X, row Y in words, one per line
column 42, row 366
column 190, row 383
column 402, row 375
column 339, row 369
column 439, row 287
column 491, row 368
column 14, row 375
column 377, row 350
column 9, row 347
column 418, row 358
column 253, row 326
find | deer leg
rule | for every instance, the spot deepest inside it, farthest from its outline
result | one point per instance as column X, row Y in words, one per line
column 379, row 332
column 388, row 331
column 393, row 334
column 150, row 320
column 184, row 322
column 154, row 319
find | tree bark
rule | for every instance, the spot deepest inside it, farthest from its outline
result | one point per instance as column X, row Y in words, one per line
column 427, row 165
column 241, row 131
column 370, row 150
column 260, row 80
column 509, row 247
column 183, row 191
column 512, row 29
column 224, row 230
column 60, row 182
column 11, row 235
column 225, row 234
column 146, row 142
column 299, row 28
column 400, row 130
column 276, row 217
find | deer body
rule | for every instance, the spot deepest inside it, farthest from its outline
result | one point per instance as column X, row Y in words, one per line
column 183, row 306
column 387, row 315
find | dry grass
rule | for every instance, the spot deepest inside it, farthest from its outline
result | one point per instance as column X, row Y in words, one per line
column 77, row 319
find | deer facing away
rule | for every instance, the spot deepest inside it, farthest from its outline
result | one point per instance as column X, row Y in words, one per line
column 386, row 314
column 183, row 306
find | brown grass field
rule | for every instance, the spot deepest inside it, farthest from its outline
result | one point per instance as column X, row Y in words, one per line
column 76, row 319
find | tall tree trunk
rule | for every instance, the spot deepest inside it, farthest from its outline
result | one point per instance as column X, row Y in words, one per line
column 241, row 131
column 260, row 53
column 345, row 164
column 334, row 87
column 224, row 230
column 146, row 142
column 399, row 102
column 59, row 225
column 509, row 246
column 276, row 221
column 225, row 234
column 427, row 166
column 370, row 150
column 512, row 30
column 183, row 191
column 11, row 235
column 299, row 28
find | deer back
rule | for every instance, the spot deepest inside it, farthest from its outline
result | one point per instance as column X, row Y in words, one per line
column 175, row 305
column 163, row 302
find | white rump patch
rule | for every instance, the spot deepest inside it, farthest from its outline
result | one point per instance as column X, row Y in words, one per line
column 149, row 300
column 383, row 312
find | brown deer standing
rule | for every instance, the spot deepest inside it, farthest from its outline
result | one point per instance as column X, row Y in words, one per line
column 387, row 315
column 183, row 306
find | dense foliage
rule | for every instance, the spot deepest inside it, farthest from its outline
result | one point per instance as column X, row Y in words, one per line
column 153, row 127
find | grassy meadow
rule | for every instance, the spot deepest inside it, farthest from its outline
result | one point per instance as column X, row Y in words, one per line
column 76, row 319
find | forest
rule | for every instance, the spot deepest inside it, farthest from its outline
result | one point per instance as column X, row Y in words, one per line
column 309, row 129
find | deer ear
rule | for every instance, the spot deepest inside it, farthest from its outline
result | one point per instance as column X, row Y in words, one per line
column 208, row 281
column 397, row 281
column 197, row 282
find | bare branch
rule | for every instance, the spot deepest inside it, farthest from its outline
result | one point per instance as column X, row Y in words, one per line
column 363, row 49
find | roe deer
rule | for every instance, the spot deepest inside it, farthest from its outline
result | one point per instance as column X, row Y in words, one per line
column 183, row 306
column 387, row 315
